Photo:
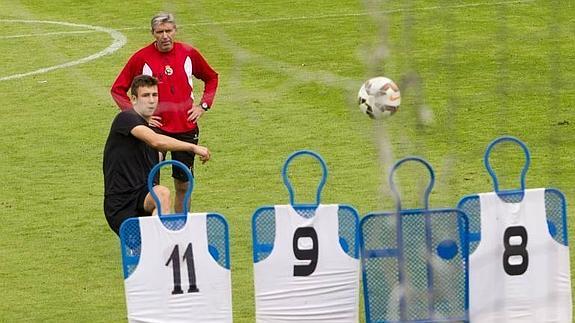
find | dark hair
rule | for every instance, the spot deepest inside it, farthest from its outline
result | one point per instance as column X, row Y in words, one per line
column 142, row 81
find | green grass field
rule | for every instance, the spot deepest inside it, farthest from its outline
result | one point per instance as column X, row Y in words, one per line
column 289, row 75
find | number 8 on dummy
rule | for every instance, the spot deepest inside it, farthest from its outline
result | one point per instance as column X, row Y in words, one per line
column 306, row 266
column 519, row 258
column 176, row 266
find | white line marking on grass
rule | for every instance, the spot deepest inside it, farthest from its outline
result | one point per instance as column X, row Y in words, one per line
column 119, row 40
column 358, row 14
column 49, row 34
column 324, row 77
column 238, row 22
column 344, row 15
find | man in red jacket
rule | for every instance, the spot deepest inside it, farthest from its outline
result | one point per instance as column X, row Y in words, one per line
column 173, row 64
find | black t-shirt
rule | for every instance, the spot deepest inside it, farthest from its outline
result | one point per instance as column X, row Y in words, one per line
column 127, row 160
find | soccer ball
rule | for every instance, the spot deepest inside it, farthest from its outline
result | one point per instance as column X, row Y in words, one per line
column 379, row 97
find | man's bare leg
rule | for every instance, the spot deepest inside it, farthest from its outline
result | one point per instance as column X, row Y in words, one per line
column 163, row 194
column 181, row 188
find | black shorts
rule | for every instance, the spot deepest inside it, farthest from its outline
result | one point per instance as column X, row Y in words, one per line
column 186, row 157
column 120, row 207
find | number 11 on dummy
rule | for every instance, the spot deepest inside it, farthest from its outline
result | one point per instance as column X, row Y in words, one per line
column 176, row 266
column 306, row 266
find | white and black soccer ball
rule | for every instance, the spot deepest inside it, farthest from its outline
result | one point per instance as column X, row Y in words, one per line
column 379, row 97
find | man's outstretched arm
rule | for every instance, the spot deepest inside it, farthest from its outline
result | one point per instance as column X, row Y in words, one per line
column 164, row 143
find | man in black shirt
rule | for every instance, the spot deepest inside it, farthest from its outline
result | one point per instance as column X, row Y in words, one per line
column 131, row 151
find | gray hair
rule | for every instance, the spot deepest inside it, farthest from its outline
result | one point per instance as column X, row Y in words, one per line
column 162, row 17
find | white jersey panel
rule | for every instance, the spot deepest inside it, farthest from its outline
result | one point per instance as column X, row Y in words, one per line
column 146, row 70
column 189, row 74
column 327, row 293
column 150, row 288
column 518, row 273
